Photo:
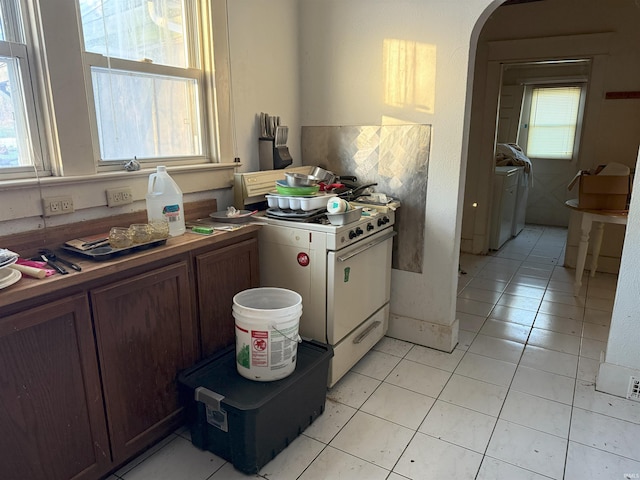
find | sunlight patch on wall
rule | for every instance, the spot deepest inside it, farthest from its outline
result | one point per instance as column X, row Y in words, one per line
column 409, row 74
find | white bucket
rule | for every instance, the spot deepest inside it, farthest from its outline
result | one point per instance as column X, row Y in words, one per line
column 266, row 324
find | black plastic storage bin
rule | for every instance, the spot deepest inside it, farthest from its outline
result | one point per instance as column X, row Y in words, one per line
column 247, row 422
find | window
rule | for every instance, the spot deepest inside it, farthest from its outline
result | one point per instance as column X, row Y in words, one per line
column 18, row 129
column 87, row 85
column 553, row 119
column 145, row 78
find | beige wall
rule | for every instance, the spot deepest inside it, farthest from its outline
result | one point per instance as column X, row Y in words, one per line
column 263, row 39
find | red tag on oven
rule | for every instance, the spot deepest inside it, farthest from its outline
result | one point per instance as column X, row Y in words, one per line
column 303, row 259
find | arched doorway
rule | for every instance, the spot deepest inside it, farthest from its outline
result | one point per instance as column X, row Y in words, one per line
column 596, row 35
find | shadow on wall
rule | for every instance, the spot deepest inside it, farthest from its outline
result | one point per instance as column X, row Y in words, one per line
column 395, row 157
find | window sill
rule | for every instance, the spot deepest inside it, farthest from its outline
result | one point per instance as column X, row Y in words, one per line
column 113, row 175
column 22, row 199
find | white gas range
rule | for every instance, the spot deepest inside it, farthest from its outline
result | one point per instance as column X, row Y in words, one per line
column 342, row 272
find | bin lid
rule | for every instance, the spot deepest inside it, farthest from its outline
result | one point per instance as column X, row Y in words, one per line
column 219, row 374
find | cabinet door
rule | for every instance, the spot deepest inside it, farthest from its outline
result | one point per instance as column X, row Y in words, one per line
column 51, row 415
column 220, row 275
column 145, row 334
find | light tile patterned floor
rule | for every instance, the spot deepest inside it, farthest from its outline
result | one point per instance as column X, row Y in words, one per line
column 515, row 400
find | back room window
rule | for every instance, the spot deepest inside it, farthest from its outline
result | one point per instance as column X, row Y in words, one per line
column 552, row 119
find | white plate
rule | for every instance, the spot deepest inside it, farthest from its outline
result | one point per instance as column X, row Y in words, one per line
column 9, row 276
column 242, row 216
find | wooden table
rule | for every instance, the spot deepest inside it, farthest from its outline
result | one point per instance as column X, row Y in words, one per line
column 589, row 217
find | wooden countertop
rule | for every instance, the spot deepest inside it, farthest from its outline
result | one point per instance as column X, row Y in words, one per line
column 28, row 288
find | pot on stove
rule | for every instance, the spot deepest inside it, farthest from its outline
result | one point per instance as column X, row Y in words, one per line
column 328, row 178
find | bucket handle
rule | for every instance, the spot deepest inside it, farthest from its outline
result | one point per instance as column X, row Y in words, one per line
column 295, row 340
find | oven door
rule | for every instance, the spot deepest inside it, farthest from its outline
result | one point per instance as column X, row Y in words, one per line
column 358, row 283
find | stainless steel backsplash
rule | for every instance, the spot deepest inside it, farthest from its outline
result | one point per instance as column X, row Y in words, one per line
column 396, row 157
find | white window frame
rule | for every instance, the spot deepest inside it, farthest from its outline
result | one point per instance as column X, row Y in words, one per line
column 35, row 145
column 60, row 108
column 523, row 131
column 203, row 74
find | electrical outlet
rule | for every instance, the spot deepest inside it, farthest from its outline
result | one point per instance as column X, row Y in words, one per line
column 633, row 392
column 119, row 196
column 57, row 205
column 66, row 205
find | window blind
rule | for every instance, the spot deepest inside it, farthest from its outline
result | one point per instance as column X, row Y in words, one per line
column 552, row 122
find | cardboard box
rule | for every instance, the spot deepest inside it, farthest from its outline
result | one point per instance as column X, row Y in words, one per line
column 602, row 192
column 248, row 422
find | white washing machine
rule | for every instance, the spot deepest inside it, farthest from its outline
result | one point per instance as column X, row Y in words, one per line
column 505, row 186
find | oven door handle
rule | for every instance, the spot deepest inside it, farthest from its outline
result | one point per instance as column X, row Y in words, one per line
column 344, row 258
column 369, row 329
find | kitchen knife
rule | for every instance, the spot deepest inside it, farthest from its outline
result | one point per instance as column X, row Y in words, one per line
column 66, row 262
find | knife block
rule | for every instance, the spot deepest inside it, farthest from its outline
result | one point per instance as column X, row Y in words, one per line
column 272, row 157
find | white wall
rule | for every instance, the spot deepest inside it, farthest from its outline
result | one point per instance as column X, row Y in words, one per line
column 263, row 41
column 343, row 71
column 622, row 359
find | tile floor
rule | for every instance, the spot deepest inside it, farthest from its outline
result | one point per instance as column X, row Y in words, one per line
column 514, row 400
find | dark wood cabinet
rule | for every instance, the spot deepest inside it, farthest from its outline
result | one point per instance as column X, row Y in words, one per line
column 220, row 274
column 146, row 334
column 52, row 423
column 89, row 381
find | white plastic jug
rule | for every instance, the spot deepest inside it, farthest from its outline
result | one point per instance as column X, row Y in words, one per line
column 164, row 201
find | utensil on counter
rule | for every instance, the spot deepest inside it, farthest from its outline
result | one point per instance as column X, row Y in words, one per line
column 95, row 243
column 52, row 264
column 54, row 258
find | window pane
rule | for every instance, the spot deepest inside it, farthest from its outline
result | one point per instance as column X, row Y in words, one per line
column 138, row 30
column 552, row 122
column 13, row 125
column 145, row 116
column 11, row 22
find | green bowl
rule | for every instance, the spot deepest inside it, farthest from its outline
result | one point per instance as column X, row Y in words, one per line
column 287, row 190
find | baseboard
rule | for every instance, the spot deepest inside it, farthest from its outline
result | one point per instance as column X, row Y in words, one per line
column 425, row 333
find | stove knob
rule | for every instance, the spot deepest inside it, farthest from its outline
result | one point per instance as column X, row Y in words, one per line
column 386, row 220
column 370, row 227
column 352, row 234
column 359, row 231
column 380, row 222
